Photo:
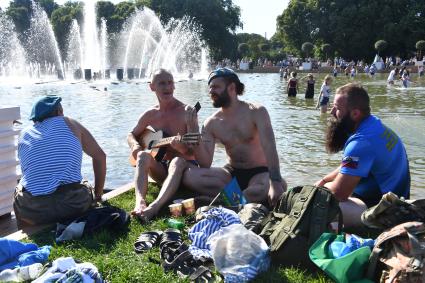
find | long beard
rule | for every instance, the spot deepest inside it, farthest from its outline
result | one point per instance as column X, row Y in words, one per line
column 223, row 99
column 338, row 133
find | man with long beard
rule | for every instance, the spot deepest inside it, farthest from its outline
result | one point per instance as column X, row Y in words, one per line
column 245, row 131
column 374, row 158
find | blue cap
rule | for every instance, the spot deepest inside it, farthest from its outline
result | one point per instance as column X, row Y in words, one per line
column 44, row 106
column 222, row 72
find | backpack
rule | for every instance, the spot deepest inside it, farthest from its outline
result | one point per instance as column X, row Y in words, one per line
column 300, row 217
column 392, row 210
column 400, row 254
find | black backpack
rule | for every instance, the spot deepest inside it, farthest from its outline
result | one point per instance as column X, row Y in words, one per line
column 300, row 217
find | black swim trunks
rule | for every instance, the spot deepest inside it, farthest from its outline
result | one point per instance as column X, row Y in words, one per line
column 243, row 176
column 368, row 201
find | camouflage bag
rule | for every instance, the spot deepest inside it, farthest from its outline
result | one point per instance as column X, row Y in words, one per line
column 399, row 255
column 300, row 217
column 392, row 210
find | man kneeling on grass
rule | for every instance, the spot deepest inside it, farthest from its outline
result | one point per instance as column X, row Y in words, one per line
column 50, row 152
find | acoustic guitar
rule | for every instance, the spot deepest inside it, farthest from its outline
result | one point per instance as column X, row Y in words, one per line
column 154, row 143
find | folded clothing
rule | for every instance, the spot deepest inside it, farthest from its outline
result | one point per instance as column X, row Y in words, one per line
column 64, row 269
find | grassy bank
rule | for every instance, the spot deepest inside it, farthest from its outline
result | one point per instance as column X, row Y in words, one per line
column 112, row 252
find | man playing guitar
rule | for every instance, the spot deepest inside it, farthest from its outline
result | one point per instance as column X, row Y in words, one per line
column 169, row 116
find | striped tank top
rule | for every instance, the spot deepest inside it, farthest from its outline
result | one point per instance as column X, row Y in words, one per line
column 50, row 156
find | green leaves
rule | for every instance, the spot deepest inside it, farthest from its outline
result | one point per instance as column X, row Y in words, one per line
column 353, row 27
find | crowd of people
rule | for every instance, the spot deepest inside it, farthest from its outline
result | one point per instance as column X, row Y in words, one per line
column 374, row 159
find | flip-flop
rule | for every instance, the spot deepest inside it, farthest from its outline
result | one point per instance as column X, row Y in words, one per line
column 184, row 265
column 147, row 241
column 171, row 235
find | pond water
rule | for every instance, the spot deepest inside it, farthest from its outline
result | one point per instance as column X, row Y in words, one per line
column 298, row 126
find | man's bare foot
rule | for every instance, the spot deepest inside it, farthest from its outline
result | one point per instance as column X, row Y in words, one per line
column 138, row 209
column 148, row 213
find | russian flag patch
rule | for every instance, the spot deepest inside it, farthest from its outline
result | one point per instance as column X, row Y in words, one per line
column 350, row 162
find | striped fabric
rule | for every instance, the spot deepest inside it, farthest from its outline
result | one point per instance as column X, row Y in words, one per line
column 50, row 156
column 214, row 220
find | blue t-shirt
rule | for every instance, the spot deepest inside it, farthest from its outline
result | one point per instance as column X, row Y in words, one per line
column 376, row 154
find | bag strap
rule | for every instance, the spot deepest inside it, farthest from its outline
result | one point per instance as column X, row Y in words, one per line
column 286, row 227
column 319, row 214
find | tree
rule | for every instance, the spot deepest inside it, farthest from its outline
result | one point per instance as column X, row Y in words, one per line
column 48, row 5
column 264, row 47
column 380, row 46
column 352, row 27
column 219, row 20
column 254, row 41
column 420, row 46
column 243, row 49
column 326, row 48
column 307, row 47
column 61, row 21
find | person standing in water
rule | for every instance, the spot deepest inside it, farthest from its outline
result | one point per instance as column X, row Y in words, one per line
column 392, row 76
column 405, row 78
column 292, row 87
column 325, row 94
column 309, row 91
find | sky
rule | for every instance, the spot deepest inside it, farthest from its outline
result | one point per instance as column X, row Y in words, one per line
column 257, row 16
column 260, row 16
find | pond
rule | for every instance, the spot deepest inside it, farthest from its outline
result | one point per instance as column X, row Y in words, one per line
column 298, row 126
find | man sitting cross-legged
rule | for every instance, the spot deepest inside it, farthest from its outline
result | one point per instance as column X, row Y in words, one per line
column 246, row 132
column 169, row 116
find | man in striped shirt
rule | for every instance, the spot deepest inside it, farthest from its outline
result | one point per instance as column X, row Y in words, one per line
column 50, row 152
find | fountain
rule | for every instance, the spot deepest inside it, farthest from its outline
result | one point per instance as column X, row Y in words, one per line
column 12, row 54
column 142, row 46
column 41, row 44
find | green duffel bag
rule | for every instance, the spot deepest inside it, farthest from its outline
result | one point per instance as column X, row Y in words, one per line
column 302, row 214
column 348, row 268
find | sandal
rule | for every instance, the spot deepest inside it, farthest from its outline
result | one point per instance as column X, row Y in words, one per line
column 171, row 235
column 146, row 241
column 184, row 265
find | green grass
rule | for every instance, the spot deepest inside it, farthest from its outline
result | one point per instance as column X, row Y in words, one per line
column 112, row 252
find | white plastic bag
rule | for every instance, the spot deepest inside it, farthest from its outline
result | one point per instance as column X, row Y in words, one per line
column 239, row 254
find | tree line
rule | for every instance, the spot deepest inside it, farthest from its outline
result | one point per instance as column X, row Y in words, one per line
column 218, row 19
column 352, row 29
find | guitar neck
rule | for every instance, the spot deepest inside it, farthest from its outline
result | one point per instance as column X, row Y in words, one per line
column 162, row 142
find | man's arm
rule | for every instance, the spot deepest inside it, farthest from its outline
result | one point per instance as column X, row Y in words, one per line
column 267, row 140
column 204, row 152
column 92, row 149
column 132, row 137
column 343, row 186
column 328, row 178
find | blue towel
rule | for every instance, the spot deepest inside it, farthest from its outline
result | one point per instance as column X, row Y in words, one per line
column 39, row 256
column 14, row 254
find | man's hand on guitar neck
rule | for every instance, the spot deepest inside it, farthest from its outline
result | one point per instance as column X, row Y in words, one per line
column 191, row 119
column 181, row 146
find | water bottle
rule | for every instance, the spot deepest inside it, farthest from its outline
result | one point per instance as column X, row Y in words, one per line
column 174, row 223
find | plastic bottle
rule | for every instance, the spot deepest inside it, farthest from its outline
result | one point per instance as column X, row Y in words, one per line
column 174, row 223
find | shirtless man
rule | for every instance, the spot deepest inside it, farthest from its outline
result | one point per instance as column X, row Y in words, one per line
column 245, row 131
column 170, row 117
